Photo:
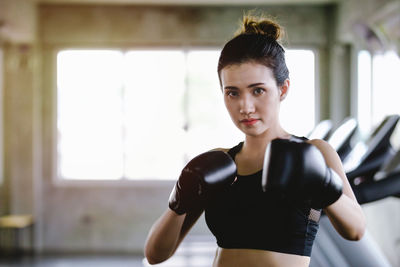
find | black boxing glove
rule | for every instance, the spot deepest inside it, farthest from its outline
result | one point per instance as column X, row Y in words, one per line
column 200, row 179
column 298, row 170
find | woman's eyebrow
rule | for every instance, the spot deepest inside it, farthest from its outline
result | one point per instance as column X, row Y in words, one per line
column 249, row 86
column 231, row 88
column 255, row 84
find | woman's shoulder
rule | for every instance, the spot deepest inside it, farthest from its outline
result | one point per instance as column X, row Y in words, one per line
column 221, row 149
column 235, row 149
column 326, row 149
column 321, row 145
column 298, row 138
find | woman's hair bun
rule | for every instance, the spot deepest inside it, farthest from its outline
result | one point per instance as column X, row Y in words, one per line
column 261, row 25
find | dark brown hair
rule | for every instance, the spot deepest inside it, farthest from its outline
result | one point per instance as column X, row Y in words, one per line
column 257, row 41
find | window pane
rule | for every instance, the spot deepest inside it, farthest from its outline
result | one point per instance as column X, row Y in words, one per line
column 364, row 92
column 89, row 114
column 155, row 139
column 386, row 86
column 209, row 124
column 144, row 114
column 298, row 109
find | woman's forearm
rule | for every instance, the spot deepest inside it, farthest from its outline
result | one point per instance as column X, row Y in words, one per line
column 163, row 237
column 347, row 217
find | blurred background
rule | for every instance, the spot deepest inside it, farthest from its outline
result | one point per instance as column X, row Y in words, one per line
column 104, row 101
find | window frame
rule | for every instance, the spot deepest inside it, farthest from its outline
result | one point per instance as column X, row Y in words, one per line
column 124, row 181
column 2, row 147
column 366, row 116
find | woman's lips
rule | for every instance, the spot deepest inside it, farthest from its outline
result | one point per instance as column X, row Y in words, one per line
column 249, row 122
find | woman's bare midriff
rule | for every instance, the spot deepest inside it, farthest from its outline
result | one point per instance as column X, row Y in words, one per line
column 257, row 258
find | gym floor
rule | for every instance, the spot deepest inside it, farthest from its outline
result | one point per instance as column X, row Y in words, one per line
column 195, row 252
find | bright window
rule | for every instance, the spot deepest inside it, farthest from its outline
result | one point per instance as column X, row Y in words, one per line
column 90, row 114
column 385, row 86
column 378, row 88
column 298, row 109
column 155, row 138
column 144, row 114
column 364, row 91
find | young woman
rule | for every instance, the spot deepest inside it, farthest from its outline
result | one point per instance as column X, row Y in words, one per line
column 258, row 222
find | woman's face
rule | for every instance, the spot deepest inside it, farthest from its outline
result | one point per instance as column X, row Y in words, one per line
column 252, row 96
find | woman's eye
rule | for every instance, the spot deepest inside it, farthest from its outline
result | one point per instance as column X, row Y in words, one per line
column 232, row 93
column 259, row 91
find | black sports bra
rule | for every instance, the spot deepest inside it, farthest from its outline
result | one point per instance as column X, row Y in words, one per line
column 245, row 217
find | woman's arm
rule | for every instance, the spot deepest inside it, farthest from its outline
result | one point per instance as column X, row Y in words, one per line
column 200, row 179
column 345, row 214
column 167, row 233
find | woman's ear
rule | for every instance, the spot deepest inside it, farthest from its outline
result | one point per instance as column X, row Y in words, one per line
column 284, row 89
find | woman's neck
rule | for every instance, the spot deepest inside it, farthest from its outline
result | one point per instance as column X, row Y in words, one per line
column 257, row 144
column 250, row 158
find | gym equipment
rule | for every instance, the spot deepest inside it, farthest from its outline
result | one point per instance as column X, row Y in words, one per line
column 332, row 250
column 321, row 130
column 374, row 173
column 342, row 137
column 386, row 181
column 366, row 158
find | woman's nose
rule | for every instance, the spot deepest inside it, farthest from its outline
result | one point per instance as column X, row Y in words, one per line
column 246, row 105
